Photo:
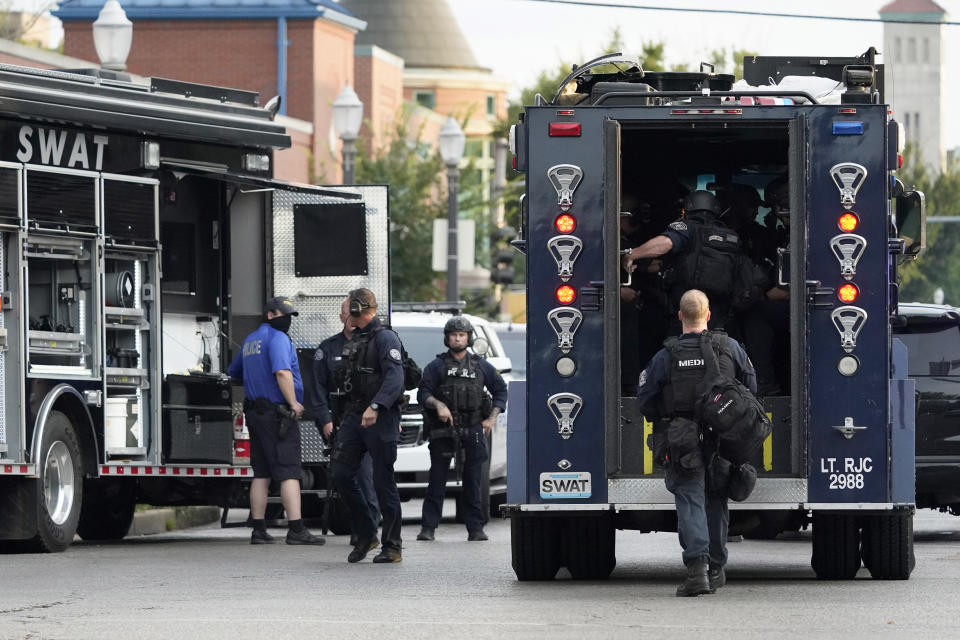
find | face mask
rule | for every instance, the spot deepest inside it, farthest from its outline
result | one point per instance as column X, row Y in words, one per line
column 281, row 323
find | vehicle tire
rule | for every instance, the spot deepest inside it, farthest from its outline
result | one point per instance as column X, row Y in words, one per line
column 60, row 490
column 887, row 546
column 836, row 546
column 485, row 490
column 535, row 547
column 108, row 507
column 496, row 501
column 589, row 546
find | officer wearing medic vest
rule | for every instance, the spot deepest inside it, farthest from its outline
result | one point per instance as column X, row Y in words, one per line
column 373, row 381
column 329, row 399
column 267, row 364
column 666, row 394
column 458, row 416
column 700, row 251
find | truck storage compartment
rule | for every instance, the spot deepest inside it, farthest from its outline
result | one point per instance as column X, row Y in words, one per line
column 197, row 419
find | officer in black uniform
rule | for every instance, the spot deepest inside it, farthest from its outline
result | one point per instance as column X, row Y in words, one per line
column 373, row 381
column 458, row 416
column 329, row 399
column 267, row 364
column 700, row 250
column 766, row 325
column 668, row 390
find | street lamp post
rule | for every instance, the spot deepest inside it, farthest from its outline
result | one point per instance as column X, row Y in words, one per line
column 112, row 36
column 452, row 141
column 347, row 118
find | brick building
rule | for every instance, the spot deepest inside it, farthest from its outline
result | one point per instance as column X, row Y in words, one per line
column 390, row 51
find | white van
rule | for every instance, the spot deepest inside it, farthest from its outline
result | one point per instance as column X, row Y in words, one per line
column 422, row 336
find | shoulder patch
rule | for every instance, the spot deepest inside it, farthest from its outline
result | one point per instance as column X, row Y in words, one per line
column 643, row 378
column 318, row 354
column 679, row 225
column 395, row 354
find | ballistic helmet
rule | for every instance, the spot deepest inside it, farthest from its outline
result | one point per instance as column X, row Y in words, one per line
column 701, row 200
column 458, row 323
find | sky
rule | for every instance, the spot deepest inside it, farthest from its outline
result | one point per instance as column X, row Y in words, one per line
column 519, row 38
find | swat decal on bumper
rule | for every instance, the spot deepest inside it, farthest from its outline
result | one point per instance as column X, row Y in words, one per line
column 559, row 485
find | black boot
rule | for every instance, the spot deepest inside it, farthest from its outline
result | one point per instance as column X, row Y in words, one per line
column 696, row 581
column 717, row 577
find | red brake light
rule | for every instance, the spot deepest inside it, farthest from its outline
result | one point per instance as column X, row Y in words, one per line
column 565, row 223
column 848, row 222
column 848, row 292
column 570, row 129
column 566, row 294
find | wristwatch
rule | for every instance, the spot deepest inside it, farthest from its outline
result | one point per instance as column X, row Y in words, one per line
column 375, row 406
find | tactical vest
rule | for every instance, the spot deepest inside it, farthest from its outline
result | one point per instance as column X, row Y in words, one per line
column 687, row 369
column 711, row 261
column 462, row 390
column 359, row 373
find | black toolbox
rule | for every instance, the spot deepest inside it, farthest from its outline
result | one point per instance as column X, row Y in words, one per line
column 197, row 416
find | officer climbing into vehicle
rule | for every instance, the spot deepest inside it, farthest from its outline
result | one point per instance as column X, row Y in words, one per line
column 702, row 253
column 373, row 380
column 329, row 400
column 458, row 417
column 267, row 364
column 666, row 394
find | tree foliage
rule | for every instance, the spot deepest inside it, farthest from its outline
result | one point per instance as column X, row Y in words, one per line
column 939, row 265
column 414, row 171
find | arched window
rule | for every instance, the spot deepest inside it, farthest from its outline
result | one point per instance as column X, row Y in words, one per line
column 897, row 50
column 911, row 50
column 926, row 50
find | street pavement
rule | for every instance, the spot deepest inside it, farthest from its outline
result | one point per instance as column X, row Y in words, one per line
column 210, row 583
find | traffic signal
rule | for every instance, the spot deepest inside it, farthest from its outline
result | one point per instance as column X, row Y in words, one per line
column 501, row 255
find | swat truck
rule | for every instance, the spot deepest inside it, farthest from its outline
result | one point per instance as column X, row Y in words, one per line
column 842, row 450
column 141, row 231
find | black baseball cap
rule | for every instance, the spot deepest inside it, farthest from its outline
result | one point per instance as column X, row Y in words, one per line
column 281, row 304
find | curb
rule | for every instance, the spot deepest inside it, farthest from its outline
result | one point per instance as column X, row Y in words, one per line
column 162, row 520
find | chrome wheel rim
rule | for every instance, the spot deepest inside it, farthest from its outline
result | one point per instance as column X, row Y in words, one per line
column 58, row 482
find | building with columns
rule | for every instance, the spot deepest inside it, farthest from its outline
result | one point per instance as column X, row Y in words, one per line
column 915, row 70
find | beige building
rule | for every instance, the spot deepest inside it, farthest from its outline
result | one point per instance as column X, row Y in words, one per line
column 915, row 70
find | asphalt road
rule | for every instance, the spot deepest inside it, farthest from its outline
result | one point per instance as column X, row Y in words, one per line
column 210, row 583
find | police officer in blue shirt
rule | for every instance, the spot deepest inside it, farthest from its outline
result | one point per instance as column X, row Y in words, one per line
column 373, row 381
column 267, row 364
column 329, row 399
column 459, row 414
column 668, row 389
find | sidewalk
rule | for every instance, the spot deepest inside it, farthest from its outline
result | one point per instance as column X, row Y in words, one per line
column 154, row 521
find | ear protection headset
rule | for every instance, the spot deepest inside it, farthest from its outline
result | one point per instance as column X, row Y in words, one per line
column 357, row 307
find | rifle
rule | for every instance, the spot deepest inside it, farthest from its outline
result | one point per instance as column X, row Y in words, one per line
column 337, row 398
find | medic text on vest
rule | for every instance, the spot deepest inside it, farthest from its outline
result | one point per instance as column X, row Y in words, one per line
column 61, row 148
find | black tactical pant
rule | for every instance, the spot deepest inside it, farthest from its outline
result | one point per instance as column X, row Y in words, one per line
column 474, row 444
column 380, row 440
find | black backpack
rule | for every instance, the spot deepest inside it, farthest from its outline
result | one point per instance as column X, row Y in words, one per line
column 412, row 373
column 712, row 263
column 728, row 410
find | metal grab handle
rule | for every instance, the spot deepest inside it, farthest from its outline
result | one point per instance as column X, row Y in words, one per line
column 629, row 282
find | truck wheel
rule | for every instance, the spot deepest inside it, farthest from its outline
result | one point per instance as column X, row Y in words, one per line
column 589, row 547
column 887, row 546
column 60, row 487
column 836, row 546
column 108, row 507
column 535, row 546
column 496, row 500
